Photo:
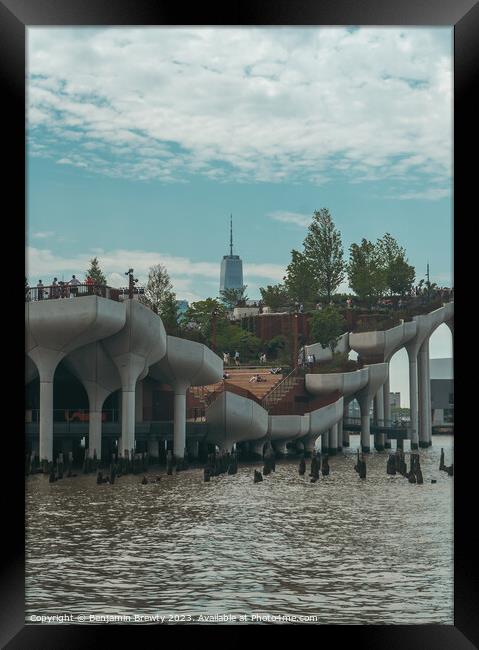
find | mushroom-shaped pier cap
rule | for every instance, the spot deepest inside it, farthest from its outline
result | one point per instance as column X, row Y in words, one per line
column 100, row 377
column 186, row 363
column 232, row 418
column 55, row 328
column 141, row 343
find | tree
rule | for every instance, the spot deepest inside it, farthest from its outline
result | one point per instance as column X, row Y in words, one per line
column 324, row 251
column 232, row 297
column 365, row 271
column 199, row 316
column 160, row 297
column 95, row 272
column 399, row 275
column 327, row 326
column 274, row 296
column 299, row 280
column 233, row 337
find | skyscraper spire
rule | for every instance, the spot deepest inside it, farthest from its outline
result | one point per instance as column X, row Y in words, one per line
column 231, row 234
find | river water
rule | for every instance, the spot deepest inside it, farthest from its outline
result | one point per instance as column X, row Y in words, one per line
column 343, row 550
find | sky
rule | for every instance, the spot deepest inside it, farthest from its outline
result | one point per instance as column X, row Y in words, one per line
column 142, row 141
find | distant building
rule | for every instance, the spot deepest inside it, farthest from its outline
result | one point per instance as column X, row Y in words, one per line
column 395, row 400
column 182, row 306
column 231, row 276
column 442, row 391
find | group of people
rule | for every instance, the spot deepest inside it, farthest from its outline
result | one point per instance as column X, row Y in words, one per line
column 227, row 361
column 61, row 289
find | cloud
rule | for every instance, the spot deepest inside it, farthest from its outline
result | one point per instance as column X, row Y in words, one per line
column 430, row 194
column 248, row 104
column 43, row 235
column 290, row 217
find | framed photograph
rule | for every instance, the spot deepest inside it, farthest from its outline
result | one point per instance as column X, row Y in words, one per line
column 239, row 387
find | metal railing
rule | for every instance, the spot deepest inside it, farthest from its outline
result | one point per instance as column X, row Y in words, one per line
column 281, row 389
column 64, row 291
column 72, row 415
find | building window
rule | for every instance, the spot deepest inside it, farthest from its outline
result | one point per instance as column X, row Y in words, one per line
column 448, row 416
column 451, row 398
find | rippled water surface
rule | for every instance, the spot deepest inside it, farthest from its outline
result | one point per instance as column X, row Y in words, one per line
column 347, row 550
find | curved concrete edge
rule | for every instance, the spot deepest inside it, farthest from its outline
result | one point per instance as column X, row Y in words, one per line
column 64, row 325
column 286, row 427
column 378, row 373
column 382, row 343
column 327, row 416
column 31, row 371
column 324, row 353
column 143, row 334
column 232, row 418
column 92, row 366
column 188, row 363
column 344, row 382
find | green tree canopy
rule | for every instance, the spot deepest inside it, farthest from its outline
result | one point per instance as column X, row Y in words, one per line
column 299, row 280
column 324, row 252
column 199, row 316
column 365, row 271
column 95, row 272
column 232, row 297
column 398, row 274
column 233, row 337
column 327, row 326
column 160, row 297
column 274, row 296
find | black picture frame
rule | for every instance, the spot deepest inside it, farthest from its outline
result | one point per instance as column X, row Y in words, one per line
column 15, row 16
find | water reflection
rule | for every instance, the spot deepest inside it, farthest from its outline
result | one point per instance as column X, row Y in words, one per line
column 349, row 551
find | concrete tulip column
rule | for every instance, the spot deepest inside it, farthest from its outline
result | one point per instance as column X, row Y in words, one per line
column 309, row 444
column 333, row 440
column 377, row 377
column 340, row 435
column 345, row 416
column 325, row 443
column 387, row 409
column 424, row 394
column 179, row 424
column 413, row 395
column 280, row 447
column 141, row 343
column 256, row 448
column 379, row 409
column 46, row 361
column 54, row 328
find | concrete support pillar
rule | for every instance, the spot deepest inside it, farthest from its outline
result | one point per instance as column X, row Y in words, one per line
column 345, row 434
column 340, row 435
column 379, row 399
column 280, row 448
column 94, row 433
column 309, row 445
column 179, row 425
column 325, row 442
column 127, row 421
column 256, row 448
column 429, row 405
column 365, row 431
column 413, row 397
column 333, row 440
column 139, row 401
column 424, row 394
column 387, row 409
column 46, row 420
column 153, row 448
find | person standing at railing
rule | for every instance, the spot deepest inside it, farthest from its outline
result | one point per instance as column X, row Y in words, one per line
column 40, row 290
column 89, row 284
column 74, row 282
column 237, row 358
column 54, row 290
